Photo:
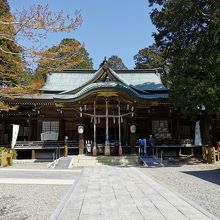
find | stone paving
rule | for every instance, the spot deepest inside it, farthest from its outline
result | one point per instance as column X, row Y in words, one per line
column 117, row 193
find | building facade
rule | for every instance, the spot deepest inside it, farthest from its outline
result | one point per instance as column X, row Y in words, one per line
column 107, row 109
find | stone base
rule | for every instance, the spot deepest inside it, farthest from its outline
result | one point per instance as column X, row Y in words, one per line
column 33, row 155
column 94, row 151
column 107, row 150
column 81, row 151
column 120, row 151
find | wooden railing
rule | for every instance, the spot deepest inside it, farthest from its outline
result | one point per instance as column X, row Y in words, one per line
column 45, row 144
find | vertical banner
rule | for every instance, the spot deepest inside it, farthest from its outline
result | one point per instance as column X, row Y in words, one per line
column 198, row 140
column 15, row 131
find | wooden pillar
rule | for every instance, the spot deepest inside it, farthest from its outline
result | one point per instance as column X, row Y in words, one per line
column 62, row 130
column 94, row 150
column 39, row 129
column 81, row 143
column 124, row 132
column 33, row 155
column 132, row 142
column 132, row 138
column 107, row 147
column 29, row 129
column 148, row 124
column 119, row 129
column 106, row 125
column 2, row 132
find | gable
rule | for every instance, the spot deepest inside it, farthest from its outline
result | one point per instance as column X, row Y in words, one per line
column 72, row 81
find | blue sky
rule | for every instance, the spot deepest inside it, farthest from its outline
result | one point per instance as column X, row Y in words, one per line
column 110, row 27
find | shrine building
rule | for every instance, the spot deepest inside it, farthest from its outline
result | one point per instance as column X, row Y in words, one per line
column 108, row 109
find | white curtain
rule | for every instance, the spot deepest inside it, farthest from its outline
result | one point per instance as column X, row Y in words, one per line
column 15, row 130
column 198, row 140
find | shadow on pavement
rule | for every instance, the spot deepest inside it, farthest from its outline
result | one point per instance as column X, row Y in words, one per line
column 212, row 176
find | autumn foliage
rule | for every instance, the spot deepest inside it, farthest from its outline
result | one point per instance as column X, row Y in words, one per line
column 69, row 54
column 32, row 24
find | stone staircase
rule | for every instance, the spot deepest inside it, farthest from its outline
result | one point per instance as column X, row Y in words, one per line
column 84, row 160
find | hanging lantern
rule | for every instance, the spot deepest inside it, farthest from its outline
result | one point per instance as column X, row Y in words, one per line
column 80, row 129
column 133, row 129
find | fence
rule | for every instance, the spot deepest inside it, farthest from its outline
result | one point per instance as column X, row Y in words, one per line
column 210, row 154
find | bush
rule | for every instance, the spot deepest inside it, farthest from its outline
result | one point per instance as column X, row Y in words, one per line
column 14, row 154
column 3, row 149
column 8, row 150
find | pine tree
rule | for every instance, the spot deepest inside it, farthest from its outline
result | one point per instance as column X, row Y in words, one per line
column 189, row 34
column 116, row 63
column 149, row 58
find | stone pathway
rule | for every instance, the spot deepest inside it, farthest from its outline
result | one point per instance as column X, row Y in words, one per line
column 117, row 193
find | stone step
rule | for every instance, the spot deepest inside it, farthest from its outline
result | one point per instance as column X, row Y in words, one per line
column 84, row 160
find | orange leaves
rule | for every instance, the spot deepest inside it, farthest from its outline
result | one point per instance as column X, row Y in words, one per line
column 39, row 17
column 34, row 23
column 31, row 24
column 36, row 84
column 69, row 54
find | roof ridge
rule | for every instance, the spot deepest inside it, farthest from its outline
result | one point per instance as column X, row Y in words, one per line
column 117, row 71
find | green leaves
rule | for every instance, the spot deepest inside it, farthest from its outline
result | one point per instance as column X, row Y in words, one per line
column 116, row 63
column 149, row 58
column 189, row 35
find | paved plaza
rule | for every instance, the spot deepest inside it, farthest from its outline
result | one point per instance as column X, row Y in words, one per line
column 31, row 191
column 111, row 192
column 38, row 176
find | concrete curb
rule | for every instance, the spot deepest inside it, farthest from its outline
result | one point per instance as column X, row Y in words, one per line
column 55, row 215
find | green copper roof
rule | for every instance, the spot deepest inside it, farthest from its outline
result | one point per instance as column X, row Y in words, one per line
column 139, row 79
column 73, row 85
column 93, row 87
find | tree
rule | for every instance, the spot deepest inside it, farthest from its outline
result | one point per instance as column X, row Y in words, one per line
column 70, row 54
column 32, row 24
column 11, row 64
column 149, row 58
column 189, row 35
column 116, row 63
